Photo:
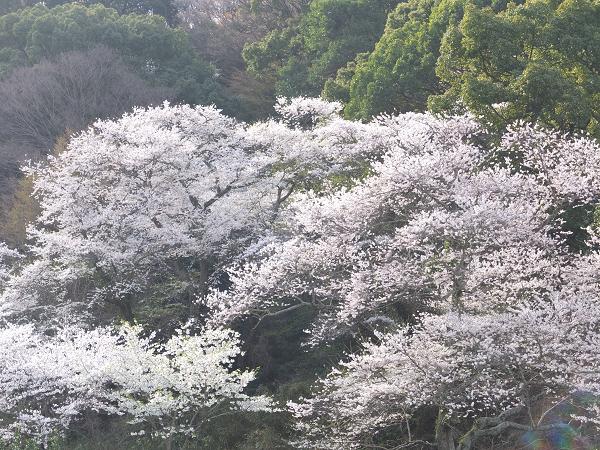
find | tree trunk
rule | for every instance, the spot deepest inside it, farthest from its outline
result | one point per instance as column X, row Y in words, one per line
column 204, row 274
column 444, row 436
column 126, row 310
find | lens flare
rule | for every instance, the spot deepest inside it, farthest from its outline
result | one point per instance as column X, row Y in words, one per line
column 561, row 437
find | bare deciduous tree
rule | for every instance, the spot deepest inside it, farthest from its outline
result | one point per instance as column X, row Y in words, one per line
column 39, row 103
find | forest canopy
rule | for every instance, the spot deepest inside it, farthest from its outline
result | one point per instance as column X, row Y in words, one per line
column 155, row 51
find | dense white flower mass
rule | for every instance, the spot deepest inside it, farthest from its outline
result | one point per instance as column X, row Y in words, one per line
column 465, row 265
column 468, row 366
column 131, row 197
column 120, row 208
column 440, row 222
column 49, row 381
column 8, row 257
column 469, row 242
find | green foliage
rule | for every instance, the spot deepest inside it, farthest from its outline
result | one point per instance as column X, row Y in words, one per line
column 535, row 61
column 7, row 6
column 331, row 33
column 157, row 52
column 399, row 73
column 538, row 61
column 165, row 8
column 338, row 88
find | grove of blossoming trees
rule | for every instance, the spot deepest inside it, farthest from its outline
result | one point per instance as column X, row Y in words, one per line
column 461, row 252
column 463, row 266
column 167, row 193
column 162, row 191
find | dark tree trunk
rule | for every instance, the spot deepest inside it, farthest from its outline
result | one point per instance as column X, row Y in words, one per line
column 126, row 310
column 444, row 435
column 204, row 274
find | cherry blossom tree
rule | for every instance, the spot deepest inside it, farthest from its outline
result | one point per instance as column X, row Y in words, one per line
column 8, row 259
column 48, row 382
column 130, row 202
column 166, row 195
column 467, row 243
column 531, row 369
column 436, row 224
